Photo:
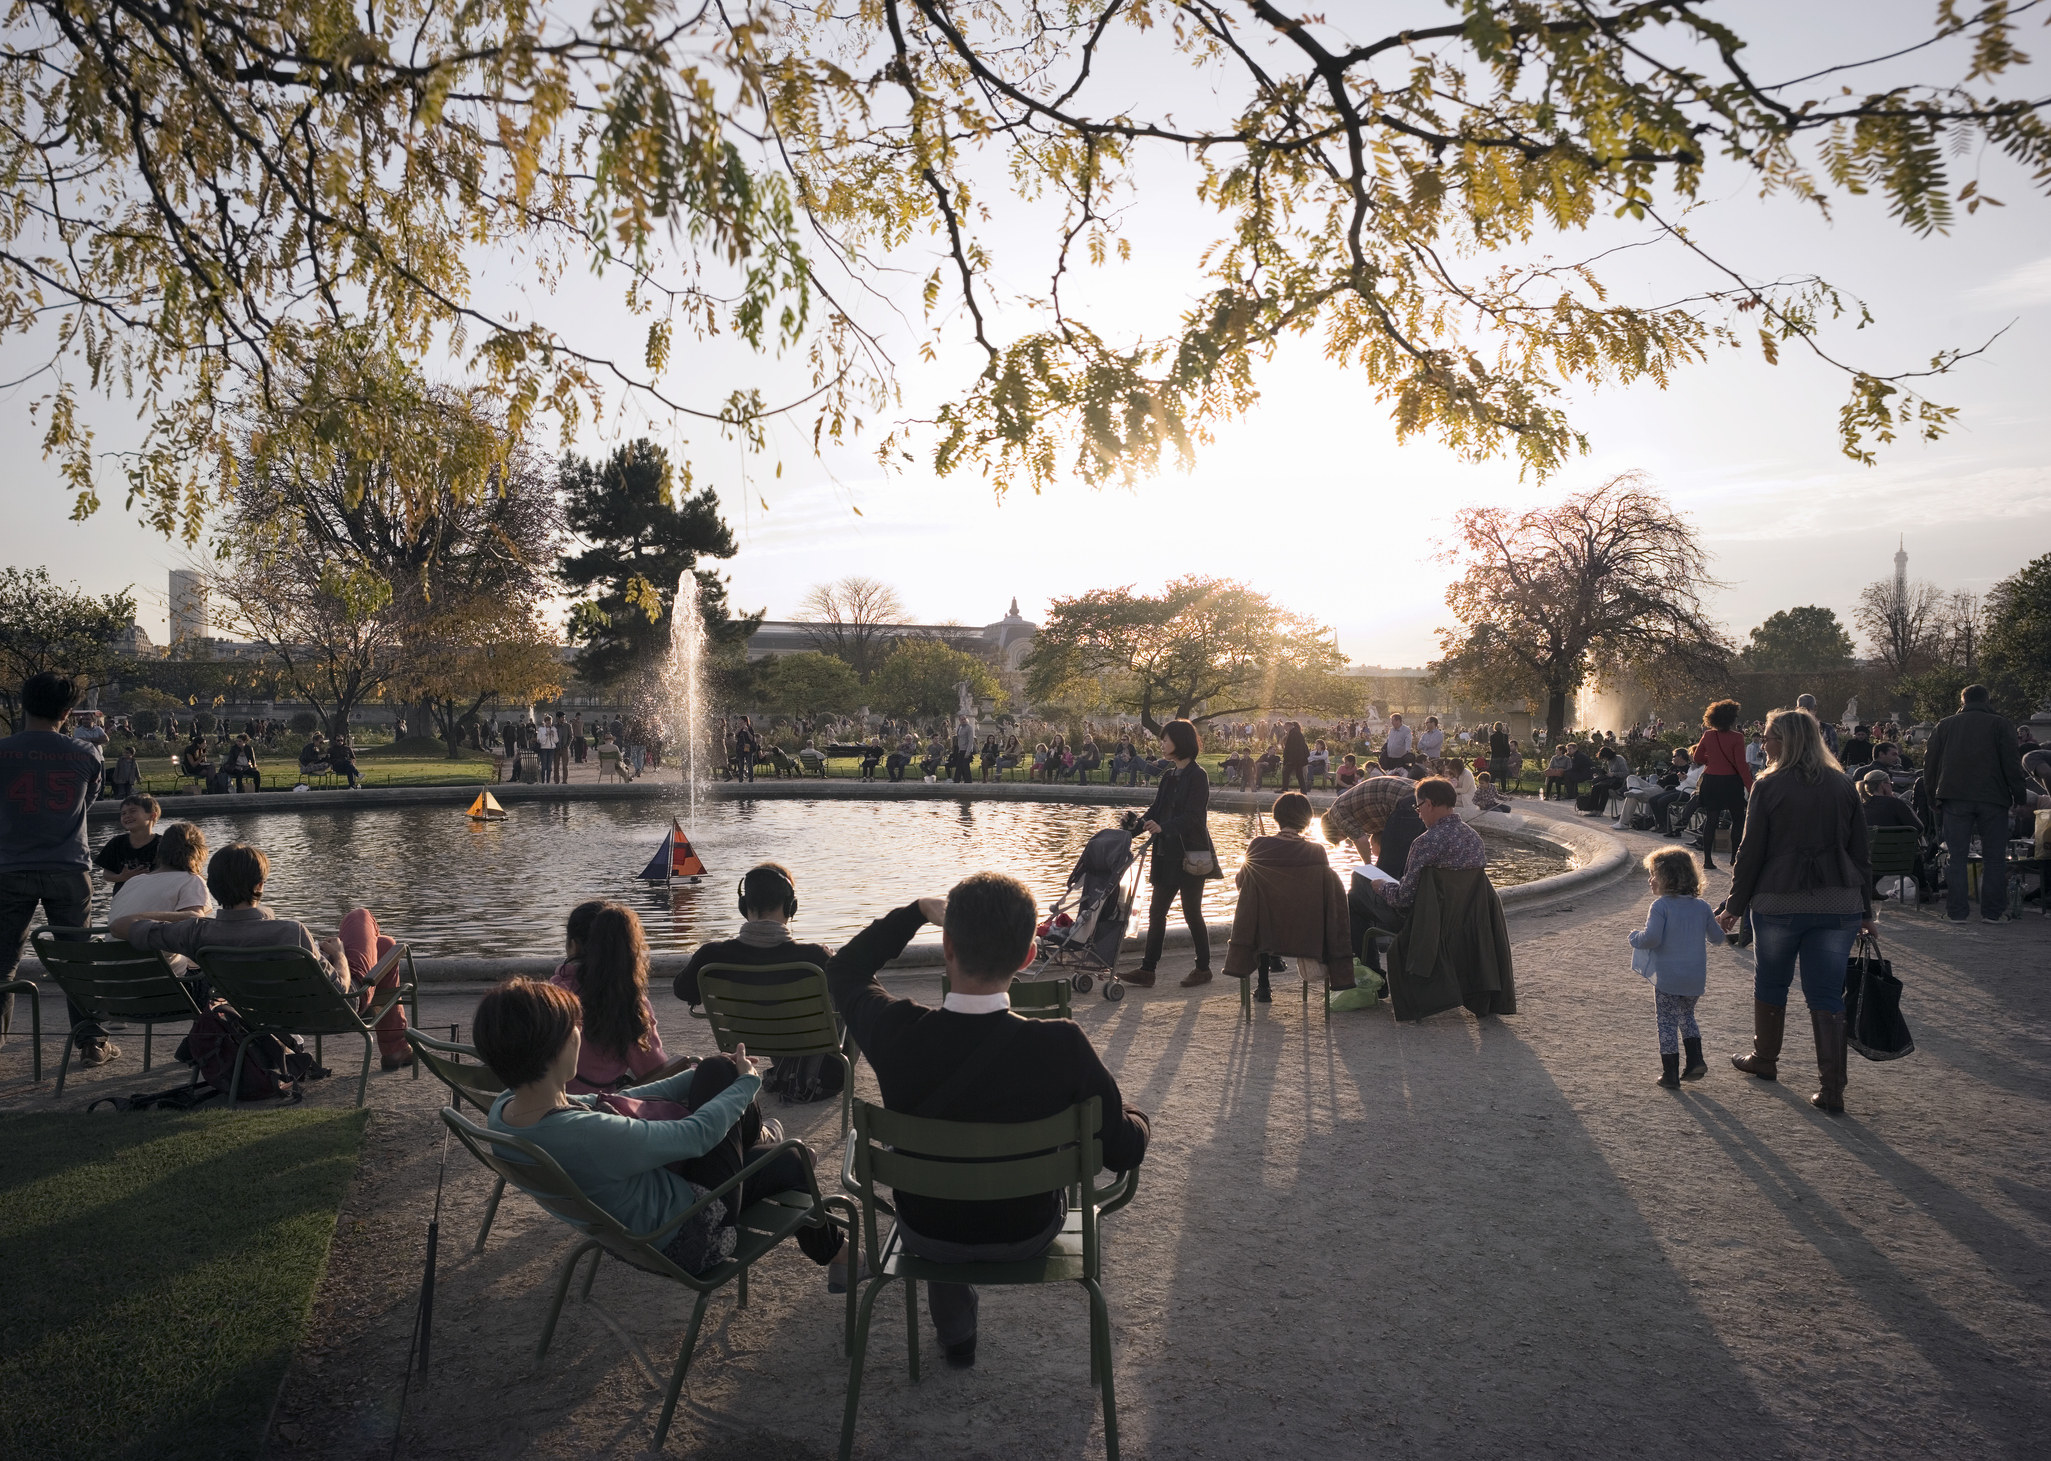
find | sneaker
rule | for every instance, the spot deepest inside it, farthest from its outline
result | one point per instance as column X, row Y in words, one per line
column 1958, row 918
column 961, row 1356
column 98, row 1052
column 1993, row 918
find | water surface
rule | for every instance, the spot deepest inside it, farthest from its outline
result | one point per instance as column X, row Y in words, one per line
column 450, row 886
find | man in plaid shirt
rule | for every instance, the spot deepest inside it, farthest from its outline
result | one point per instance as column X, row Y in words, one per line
column 1446, row 841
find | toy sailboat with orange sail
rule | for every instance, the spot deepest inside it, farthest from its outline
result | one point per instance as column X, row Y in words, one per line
column 486, row 809
column 676, row 858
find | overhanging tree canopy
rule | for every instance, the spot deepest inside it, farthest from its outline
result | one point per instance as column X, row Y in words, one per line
column 208, row 199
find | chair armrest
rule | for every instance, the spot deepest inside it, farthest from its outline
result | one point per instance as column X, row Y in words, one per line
column 662, row 1234
column 847, row 1179
column 1123, row 1186
column 385, row 965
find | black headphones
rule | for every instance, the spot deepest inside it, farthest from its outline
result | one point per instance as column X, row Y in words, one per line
column 790, row 897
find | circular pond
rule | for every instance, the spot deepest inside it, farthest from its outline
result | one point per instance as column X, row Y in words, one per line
column 453, row 887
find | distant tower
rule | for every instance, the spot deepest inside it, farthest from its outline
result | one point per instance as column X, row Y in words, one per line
column 1901, row 570
column 188, row 609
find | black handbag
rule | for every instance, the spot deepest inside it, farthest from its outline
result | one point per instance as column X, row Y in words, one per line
column 1872, row 1005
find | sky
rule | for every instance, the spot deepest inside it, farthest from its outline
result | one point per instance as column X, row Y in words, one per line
column 1310, row 497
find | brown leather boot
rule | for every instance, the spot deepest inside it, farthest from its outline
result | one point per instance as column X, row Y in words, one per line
column 1769, row 1023
column 1195, row 977
column 1830, row 1060
column 1139, row 978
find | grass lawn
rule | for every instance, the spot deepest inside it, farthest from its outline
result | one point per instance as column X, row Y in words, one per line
column 409, row 765
column 161, row 1269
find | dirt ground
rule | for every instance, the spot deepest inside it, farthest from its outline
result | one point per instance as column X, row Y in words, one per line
column 1457, row 1238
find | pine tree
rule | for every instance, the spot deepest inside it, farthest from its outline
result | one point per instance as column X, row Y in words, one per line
column 638, row 543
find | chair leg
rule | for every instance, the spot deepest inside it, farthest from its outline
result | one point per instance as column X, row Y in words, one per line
column 363, row 1080
column 235, row 1073
column 555, row 1308
column 591, row 1273
column 911, row 1326
column 148, row 1035
column 316, row 1051
column 741, row 1290
column 681, row 1369
column 491, row 1211
column 856, row 1355
column 1100, row 1347
column 70, row 1044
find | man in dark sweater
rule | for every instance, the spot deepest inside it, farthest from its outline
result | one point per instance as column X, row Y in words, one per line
column 768, row 901
column 973, row 1060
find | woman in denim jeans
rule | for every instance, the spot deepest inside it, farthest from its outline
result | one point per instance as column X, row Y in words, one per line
column 1804, row 875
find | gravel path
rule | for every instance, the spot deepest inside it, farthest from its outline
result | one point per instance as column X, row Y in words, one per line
column 1450, row 1239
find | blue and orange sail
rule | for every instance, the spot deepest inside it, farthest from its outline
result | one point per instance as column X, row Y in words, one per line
column 676, row 858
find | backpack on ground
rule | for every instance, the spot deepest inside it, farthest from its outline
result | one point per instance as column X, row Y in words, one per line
column 219, row 783
column 270, row 1066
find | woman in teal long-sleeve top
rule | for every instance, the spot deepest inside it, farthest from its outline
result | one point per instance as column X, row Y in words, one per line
column 642, row 1171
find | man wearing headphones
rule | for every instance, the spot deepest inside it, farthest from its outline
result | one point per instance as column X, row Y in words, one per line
column 768, row 899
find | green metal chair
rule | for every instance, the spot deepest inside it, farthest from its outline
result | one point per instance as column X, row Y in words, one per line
column 1034, row 999
column 35, row 1016
column 474, row 1082
column 968, row 1161
column 762, row 1225
column 788, row 1019
column 285, row 991
column 1893, row 853
column 113, row 980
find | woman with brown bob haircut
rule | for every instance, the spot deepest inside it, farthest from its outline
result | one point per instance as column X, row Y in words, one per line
column 645, row 1155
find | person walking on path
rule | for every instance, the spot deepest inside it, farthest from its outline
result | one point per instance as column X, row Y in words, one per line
column 44, row 859
column 1672, row 951
column 1183, row 857
column 1726, row 777
column 1973, row 770
column 1805, row 876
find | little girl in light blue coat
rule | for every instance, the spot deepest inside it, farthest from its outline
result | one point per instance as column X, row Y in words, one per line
column 1672, row 950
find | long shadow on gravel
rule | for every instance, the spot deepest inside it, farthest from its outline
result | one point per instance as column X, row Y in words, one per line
column 1504, row 1299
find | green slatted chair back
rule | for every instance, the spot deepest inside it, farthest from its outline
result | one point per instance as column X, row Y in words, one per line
column 789, row 1018
column 1034, row 999
column 284, row 991
column 460, row 1068
column 112, row 980
column 536, row 1173
column 761, row 1226
column 1893, row 851
column 983, row 1162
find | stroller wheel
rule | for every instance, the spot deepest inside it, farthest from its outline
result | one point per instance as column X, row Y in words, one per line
column 1081, row 983
column 1113, row 990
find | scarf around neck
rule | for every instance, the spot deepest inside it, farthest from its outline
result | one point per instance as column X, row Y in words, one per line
column 763, row 933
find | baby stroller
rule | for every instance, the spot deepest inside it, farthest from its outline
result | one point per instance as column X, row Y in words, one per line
column 1079, row 939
